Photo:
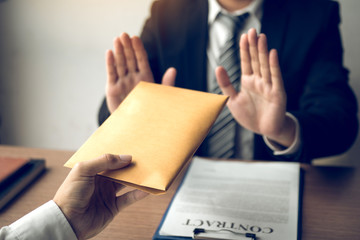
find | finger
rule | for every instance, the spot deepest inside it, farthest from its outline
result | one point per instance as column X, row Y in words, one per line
column 264, row 58
column 245, row 55
column 103, row 163
column 130, row 198
column 140, row 54
column 253, row 39
column 110, row 68
column 169, row 77
column 120, row 61
column 129, row 52
column 275, row 71
column 224, row 82
column 118, row 186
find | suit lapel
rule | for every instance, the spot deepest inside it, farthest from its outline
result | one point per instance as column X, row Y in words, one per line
column 274, row 23
column 196, row 42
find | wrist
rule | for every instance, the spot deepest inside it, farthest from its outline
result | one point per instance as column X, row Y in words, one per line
column 286, row 135
column 67, row 215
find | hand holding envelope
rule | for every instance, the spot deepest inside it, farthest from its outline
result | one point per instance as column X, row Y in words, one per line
column 160, row 126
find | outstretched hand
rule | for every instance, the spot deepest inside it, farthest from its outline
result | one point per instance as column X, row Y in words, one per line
column 90, row 202
column 126, row 67
column 260, row 106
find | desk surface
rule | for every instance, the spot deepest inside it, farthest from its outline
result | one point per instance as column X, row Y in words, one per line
column 330, row 205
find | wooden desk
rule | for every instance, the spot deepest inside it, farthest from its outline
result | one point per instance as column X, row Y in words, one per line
column 331, row 201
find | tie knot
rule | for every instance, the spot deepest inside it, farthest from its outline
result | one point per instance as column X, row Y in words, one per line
column 235, row 23
column 239, row 21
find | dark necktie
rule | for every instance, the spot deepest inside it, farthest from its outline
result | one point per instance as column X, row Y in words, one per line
column 222, row 138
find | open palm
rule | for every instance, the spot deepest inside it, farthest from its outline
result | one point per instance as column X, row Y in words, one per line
column 260, row 106
column 126, row 67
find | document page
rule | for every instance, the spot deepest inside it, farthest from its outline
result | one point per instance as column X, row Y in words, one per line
column 244, row 197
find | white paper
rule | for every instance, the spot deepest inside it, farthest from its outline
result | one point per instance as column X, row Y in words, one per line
column 246, row 197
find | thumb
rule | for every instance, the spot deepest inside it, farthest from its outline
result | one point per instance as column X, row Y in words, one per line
column 224, row 82
column 103, row 163
column 169, row 77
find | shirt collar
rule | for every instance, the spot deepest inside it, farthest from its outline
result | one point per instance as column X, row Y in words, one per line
column 253, row 9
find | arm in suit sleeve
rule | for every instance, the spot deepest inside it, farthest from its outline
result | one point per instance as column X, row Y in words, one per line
column 45, row 222
column 327, row 110
column 103, row 113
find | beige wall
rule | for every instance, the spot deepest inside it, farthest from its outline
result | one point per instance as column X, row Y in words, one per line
column 52, row 72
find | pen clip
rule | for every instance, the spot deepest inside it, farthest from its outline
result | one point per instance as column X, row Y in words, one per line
column 201, row 233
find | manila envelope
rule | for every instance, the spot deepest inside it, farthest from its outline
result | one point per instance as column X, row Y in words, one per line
column 160, row 126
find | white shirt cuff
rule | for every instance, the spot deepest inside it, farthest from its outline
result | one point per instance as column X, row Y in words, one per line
column 45, row 222
column 294, row 147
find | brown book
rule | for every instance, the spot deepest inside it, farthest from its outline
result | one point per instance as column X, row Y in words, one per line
column 10, row 165
column 15, row 180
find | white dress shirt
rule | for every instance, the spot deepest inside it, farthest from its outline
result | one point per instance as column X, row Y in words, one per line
column 45, row 222
column 218, row 35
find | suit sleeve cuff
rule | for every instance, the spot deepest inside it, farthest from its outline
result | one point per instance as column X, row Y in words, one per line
column 293, row 148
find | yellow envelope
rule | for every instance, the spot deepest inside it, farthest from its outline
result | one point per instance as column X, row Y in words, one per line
column 160, row 126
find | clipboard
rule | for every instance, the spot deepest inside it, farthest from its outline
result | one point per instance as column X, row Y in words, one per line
column 225, row 232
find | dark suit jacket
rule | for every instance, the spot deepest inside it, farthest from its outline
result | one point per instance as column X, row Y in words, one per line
column 306, row 35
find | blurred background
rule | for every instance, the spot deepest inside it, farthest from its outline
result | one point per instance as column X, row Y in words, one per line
column 52, row 67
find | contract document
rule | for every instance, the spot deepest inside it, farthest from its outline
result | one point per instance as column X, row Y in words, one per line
column 234, row 198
